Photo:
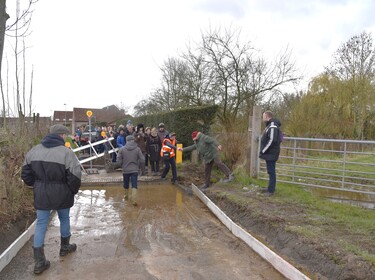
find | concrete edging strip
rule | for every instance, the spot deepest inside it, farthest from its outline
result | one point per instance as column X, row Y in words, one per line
column 281, row 265
column 13, row 249
column 275, row 260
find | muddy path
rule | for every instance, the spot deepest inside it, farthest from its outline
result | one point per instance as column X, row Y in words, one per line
column 170, row 235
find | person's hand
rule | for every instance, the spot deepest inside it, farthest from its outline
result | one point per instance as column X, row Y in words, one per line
column 219, row 147
column 180, row 149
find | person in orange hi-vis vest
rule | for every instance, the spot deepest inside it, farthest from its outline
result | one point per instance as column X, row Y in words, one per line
column 168, row 153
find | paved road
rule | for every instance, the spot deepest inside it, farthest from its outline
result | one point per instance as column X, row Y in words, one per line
column 170, row 235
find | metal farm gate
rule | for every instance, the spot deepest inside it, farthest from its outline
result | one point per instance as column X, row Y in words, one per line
column 345, row 165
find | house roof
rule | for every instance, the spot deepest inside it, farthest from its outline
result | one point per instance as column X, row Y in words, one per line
column 108, row 114
column 60, row 115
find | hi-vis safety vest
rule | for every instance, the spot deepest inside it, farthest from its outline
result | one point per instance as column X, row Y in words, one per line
column 166, row 149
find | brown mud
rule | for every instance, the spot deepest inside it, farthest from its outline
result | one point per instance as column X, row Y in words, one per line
column 169, row 235
column 268, row 220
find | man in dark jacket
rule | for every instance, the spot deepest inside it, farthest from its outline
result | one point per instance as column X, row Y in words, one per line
column 270, row 149
column 130, row 157
column 208, row 148
column 55, row 175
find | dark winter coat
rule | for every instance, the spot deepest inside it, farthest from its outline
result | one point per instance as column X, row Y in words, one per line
column 206, row 147
column 270, row 142
column 54, row 173
column 154, row 147
column 130, row 157
column 140, row 139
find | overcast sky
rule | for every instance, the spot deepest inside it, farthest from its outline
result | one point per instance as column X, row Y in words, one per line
column 95, row 53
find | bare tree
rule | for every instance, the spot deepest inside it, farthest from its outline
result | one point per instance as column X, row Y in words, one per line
column 223, row 71
column 242, row 77
column 199, row 79
column 174, row 88
column 3, row 19
column 24, row 17
column 17, row 28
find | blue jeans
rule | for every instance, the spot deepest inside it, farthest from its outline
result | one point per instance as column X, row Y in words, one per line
column 271, row 170
column 133, row 177
column 42, row 219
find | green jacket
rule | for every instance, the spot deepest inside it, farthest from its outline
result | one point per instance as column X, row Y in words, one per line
column 206, row 146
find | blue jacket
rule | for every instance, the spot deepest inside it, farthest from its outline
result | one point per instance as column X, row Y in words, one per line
column 120, row 141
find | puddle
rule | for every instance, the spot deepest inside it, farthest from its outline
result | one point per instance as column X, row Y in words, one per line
column 170, row 235
column 357, row 199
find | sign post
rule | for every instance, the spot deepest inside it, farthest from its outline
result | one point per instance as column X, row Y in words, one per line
column 179, row 154
column 89, row 114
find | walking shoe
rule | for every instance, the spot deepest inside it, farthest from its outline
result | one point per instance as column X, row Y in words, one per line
column 268, row 194
column 228, row 179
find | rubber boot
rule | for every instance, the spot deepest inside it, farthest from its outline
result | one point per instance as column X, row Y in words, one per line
column 134, row 196
column 41, row 264
column 230, row 178
column 66, row 247
column 126, row 196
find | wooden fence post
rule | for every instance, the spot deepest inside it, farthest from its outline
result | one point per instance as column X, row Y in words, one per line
column 255, row 122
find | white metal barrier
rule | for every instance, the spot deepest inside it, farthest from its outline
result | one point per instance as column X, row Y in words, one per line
column 93, row 153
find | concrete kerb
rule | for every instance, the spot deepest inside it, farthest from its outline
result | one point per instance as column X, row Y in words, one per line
column 13, row 249
column 281, row 265
column 276, row 261
column 7, row 256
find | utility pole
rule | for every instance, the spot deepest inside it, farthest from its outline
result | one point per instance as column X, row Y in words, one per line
column 65, row 114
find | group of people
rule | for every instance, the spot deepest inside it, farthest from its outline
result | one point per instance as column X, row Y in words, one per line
column 54, row 173
column 161, row 146
column 149, row 140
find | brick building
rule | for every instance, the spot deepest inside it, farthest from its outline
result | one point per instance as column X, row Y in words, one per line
column 76, row 118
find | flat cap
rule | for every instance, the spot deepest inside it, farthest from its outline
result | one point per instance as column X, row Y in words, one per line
column 59, row 129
